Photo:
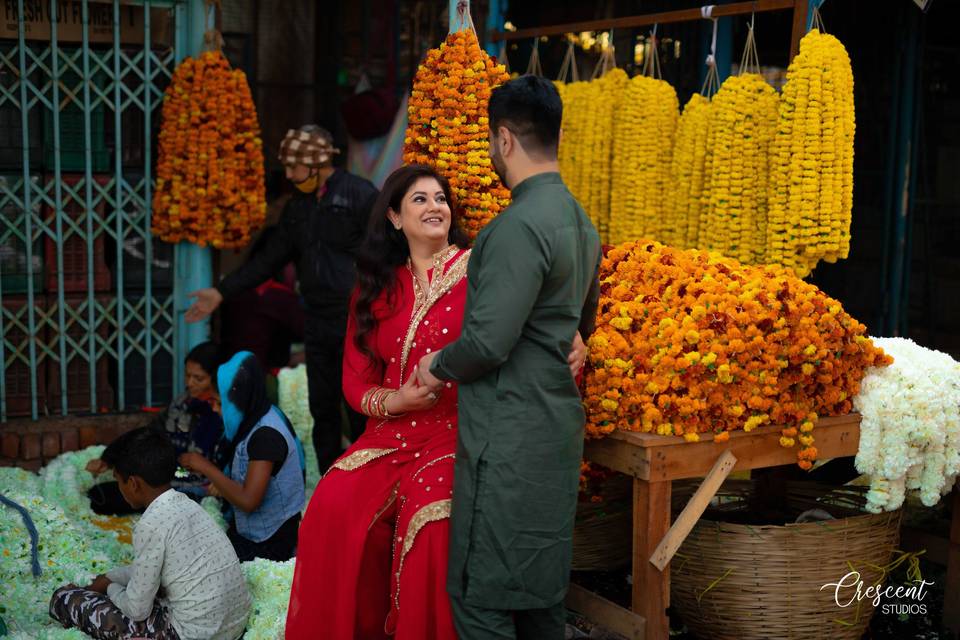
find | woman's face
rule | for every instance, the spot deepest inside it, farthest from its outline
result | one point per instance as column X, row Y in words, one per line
column 424, row 215
column 198, row 381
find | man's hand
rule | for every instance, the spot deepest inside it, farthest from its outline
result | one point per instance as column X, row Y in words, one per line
column 99, row 584
column 426, row 378
column 194, row 462
column 412, row 396
column 578, row 355
column 97, row 466
column 205, row 302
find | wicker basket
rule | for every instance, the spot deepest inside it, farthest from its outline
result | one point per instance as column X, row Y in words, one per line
column 602, row 531
column 758, row 582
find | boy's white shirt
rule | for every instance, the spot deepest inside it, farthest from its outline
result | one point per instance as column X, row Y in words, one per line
column 176, row 544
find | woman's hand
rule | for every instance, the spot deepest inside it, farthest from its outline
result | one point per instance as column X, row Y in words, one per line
column 411, row 397
column 97, row 466
column 212, row 491
column 195, row 462
column 578, row 355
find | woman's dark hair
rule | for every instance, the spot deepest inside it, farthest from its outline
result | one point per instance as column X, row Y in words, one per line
column 385, row 248
column 208, row 356
column 143, row 452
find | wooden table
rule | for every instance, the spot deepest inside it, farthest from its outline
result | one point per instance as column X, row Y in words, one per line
column 654, row 462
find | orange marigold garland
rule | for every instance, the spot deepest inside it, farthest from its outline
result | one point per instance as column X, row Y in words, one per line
column 448, row 125
column 690, row 342
column 210, row 188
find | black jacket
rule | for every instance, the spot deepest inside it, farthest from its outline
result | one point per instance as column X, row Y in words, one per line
column 321, row 238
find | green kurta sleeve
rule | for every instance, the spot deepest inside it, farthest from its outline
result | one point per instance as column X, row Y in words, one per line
column 508, row 283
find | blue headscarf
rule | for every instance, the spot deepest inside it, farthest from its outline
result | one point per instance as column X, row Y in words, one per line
column 244, row 402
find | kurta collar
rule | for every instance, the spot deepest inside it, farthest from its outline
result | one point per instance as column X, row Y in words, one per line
column 534, row 181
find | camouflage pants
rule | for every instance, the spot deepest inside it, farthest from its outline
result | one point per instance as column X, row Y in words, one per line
column 97, row 616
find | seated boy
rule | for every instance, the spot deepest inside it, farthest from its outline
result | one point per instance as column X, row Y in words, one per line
column 185, row 581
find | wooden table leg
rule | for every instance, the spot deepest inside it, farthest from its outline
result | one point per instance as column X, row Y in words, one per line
column 951, row 600
column 651, row 587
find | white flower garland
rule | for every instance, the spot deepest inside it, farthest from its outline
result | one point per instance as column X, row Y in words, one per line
column 910, row 431
column 294, row 401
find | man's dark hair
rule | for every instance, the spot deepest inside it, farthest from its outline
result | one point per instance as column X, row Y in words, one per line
column 143, row 452
column 530, row 107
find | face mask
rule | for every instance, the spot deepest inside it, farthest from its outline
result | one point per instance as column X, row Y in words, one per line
column 310, row 184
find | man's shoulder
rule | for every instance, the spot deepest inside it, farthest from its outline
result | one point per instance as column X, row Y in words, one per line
column 354, row 184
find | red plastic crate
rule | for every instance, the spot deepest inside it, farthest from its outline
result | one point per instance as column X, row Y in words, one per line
column 78, row 370
column 16, row 374
column 74, row 245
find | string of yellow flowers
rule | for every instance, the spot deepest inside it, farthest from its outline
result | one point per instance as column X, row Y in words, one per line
column 743, row 123
column 448, row 125
column 812, row 158
column 643, row 134
column 210, row 188
column 682, row 205
column 690, row 342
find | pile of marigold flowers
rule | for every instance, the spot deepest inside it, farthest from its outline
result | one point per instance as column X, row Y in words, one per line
column 210, row 188
column 690, row 342
column 448, row 125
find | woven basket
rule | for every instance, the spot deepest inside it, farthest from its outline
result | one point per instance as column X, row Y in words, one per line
column 759, row 582
column 602, row 531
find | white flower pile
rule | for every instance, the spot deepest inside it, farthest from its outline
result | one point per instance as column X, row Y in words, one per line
column 73, row 549
column 910, row 431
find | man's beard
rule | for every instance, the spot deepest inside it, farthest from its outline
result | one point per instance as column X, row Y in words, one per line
column 499, row 167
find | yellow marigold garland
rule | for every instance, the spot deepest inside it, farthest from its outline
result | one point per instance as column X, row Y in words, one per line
column 210, row 187
column 743, row 123
column 690, row 342
column 812, row 158
column 643, row 133
column 448, row 125
column 683, row 201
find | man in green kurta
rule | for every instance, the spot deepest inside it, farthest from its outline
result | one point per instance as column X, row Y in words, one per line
column 532, row 285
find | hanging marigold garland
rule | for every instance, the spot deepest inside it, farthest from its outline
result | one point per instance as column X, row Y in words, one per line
column 643, row 134
column 690, row 342
column 682, row 203
column 812, row 158
column 210, row 188
column 734, row 215
column 448, row 125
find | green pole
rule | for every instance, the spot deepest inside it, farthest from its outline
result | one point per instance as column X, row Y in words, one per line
column 194, row 268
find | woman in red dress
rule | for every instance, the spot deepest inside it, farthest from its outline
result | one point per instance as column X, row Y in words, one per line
column 372, row 552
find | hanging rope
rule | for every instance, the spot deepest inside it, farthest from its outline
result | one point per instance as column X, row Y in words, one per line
column 608, row 60
column 568, row 70
column 817, row 22
column 712, row 81
column 651, row 64
column 749, row 62
column 212, row 38
column 533, row 66
column 463, row 20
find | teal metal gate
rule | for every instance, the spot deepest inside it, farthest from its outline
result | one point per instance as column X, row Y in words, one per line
column 88, row 319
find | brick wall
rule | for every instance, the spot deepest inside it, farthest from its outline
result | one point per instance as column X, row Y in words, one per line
column 30, row 445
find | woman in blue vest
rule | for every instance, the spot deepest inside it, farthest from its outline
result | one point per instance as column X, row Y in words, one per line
column 265, row 479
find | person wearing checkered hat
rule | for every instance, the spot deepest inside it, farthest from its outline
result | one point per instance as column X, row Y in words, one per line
column 320, row 230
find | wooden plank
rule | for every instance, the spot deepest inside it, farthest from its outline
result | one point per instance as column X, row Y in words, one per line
column 951, row 600
column 614, row 454
column 691, row 513
column 651, row 587
column 657, row 458
column 650, row 19
column 605, row 613
column 799, row 30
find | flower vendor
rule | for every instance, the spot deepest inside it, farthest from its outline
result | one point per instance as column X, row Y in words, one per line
column 179, row 553
column 264, row 482
column 320, row 230
column 532, row 284
column 191, row 424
